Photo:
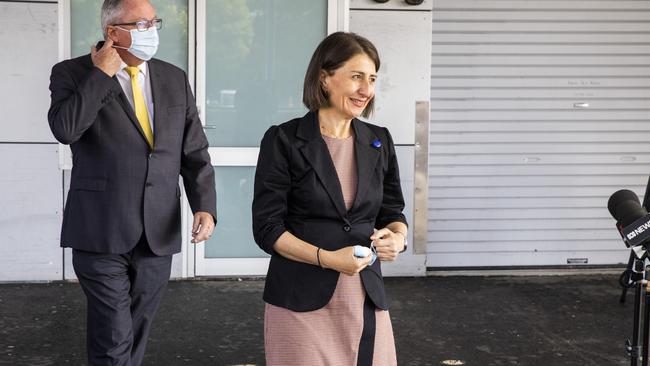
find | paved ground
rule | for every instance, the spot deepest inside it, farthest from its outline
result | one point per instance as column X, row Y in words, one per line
column 531, row 321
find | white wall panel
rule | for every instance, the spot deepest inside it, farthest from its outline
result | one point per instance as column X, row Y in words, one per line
column 406, row 263
column 68, row 269
column 539, row 112
column 390, row 5
column 404, row 73
column 31, row 213
column 403, row 78
column 29, row 44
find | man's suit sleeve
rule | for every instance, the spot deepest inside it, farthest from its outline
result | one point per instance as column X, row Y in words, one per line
column 196, row 168
column 74, row 106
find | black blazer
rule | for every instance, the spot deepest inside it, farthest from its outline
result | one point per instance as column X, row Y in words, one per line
column 119, row 187
column 297, row 190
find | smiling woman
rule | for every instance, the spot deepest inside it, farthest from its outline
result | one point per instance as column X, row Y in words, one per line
column 326, row 184
column 355, row 58
column 350, row 90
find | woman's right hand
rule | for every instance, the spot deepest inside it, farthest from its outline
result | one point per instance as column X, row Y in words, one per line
column 343, row 260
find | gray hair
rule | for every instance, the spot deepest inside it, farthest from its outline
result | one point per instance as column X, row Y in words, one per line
column 111, row 13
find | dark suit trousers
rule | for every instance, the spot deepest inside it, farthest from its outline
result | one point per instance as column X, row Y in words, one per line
column 123, row 292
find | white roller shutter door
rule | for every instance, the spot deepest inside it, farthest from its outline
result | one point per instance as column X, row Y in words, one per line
column 539, row 111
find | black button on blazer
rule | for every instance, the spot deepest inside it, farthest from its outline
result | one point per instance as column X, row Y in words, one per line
column 297, row 190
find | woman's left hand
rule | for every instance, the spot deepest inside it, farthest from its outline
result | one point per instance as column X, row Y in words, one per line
column 388, row 244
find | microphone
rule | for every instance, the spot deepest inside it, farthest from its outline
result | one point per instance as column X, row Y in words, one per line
column 632, row 220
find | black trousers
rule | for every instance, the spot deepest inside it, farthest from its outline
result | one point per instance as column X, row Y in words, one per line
column 123, row 292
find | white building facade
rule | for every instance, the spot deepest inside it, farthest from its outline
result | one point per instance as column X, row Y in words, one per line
column 514, row 121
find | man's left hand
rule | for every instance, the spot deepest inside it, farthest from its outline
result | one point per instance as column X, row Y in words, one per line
column 202, row 227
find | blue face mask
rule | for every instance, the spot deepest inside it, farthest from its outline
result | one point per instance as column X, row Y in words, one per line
column 143, row 44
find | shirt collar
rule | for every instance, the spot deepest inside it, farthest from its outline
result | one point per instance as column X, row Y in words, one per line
column 143, row 67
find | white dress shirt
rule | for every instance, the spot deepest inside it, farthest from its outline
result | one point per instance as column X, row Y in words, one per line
column 145, row 85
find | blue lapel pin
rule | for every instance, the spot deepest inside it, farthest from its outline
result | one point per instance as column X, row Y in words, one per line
column 376, row 143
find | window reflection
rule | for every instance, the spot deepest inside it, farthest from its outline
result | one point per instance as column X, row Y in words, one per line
column 257, row 55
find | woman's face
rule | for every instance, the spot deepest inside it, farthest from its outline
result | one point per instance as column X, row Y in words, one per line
column 352, row 86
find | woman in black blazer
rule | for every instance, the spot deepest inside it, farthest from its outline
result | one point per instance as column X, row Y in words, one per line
column 325, row 183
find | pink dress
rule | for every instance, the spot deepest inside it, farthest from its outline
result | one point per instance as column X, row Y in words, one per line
column 332, row 335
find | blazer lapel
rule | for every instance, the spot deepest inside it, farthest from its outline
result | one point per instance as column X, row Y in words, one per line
column 316, row 153
column 367, row 157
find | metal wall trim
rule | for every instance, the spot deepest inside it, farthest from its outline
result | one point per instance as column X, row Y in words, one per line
column 421, row 183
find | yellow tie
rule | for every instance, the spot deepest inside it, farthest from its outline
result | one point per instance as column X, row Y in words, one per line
column 138, row 103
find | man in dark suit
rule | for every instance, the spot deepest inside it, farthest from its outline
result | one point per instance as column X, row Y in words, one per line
column 133, row 127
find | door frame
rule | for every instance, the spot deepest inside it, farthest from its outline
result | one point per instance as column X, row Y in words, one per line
column 338, row 15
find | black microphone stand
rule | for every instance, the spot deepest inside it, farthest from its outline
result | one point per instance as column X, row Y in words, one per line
column 635, row 276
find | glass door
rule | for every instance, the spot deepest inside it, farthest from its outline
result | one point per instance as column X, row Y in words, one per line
column 251, row 59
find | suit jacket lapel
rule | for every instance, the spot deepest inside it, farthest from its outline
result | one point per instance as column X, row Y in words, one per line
column 367, row 157
column 316, row 153
column 124, row 102
column 128, row 109
column 157, row 86
column 130, row 112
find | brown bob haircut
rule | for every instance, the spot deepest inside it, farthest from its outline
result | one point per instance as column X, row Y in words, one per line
column 335, row 50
